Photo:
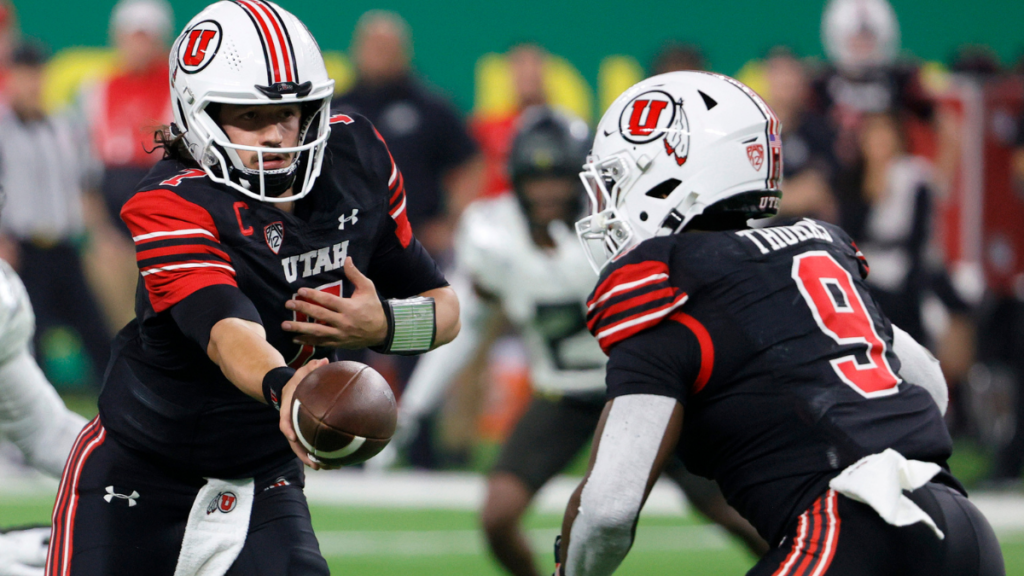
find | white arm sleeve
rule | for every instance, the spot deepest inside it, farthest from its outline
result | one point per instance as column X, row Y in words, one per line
column 610, row 502
column 33, row 417
column 439, row 368
column 918, row 366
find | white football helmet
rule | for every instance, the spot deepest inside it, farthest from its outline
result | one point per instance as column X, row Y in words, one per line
column 671, row 148
column 250, row 52
column 860, row 34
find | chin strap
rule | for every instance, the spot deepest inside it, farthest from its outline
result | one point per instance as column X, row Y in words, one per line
column 275, row 182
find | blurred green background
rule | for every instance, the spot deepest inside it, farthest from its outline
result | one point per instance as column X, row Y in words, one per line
column 451, row 36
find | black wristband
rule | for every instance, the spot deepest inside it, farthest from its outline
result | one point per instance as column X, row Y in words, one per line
column 274, row 382
column 389, row 317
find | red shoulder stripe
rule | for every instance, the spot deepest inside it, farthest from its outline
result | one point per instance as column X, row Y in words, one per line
column 341, row 119
column 608, row 336
column 707, row 348
column 169, row 284
column 164, row 214
column 626, row 278
column 635, row 302
column 159, row 215
column 144, row 253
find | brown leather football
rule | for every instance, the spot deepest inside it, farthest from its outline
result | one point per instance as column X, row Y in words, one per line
column 344, row 413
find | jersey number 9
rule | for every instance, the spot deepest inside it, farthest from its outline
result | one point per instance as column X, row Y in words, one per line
column 840, row 312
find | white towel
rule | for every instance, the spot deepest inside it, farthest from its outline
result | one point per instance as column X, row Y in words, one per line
column 216, row 529
column 879, row 480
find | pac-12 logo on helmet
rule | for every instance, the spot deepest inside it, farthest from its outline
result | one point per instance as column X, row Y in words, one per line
column 755, row 153
column 653, row 115
column 199, row 46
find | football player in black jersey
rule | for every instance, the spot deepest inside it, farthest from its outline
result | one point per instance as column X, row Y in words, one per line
column 812, row 411
column 252, row 236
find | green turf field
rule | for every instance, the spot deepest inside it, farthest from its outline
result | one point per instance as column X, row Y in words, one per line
column 374, row 541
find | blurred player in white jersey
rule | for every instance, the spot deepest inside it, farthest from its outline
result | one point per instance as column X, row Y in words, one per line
column 516, row 255
column 32, row 416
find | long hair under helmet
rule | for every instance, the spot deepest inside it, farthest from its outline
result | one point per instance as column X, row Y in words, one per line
column 250, row 52
column 671, row 148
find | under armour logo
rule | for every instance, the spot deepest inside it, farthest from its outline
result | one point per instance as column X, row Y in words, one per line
column 342, row 220
column 131, row 498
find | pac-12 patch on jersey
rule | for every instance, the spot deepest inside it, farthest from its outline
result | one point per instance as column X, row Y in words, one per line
column 274, row 234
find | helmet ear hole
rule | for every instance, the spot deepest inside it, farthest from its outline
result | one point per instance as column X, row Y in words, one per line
column 662, row 191
column 181, row 112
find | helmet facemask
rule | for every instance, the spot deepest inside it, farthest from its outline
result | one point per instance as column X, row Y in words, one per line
column 605, row 233
column 218, row 156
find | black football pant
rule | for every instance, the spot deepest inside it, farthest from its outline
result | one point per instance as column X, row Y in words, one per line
column 118, row 514
column 838, row 536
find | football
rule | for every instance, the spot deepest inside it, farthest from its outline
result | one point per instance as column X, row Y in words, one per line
column 344, row 413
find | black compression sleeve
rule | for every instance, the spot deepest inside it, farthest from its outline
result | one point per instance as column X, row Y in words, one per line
column 199, row 311
column 401, row 272
column 664, row 360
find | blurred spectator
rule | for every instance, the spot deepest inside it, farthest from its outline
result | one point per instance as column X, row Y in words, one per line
column 886, row 206
column 1004, row 333
column 122, row 112
column 678, row 57
column 8, row 37
column 976, row 60
column 494, row 133
column 862, row 40
column 806, row 140
column 46, row 172
column 424, row 132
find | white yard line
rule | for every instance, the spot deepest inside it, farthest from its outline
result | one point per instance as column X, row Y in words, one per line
column 465, row 491
column 470, row 542
column 453, row 491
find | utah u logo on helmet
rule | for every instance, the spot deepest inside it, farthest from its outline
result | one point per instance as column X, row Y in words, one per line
column 202, row 45
column 656, row 114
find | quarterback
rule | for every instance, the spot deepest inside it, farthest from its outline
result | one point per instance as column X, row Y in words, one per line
column 263, row 240
column 757, row 355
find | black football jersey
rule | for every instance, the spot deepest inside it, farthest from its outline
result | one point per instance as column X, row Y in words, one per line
column 205, row 252
column 783, row 361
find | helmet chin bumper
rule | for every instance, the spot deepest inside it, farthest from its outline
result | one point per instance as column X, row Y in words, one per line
column 605, row 237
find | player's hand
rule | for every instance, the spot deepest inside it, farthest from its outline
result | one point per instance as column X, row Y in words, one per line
column 356, row 322
column 286, row 412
